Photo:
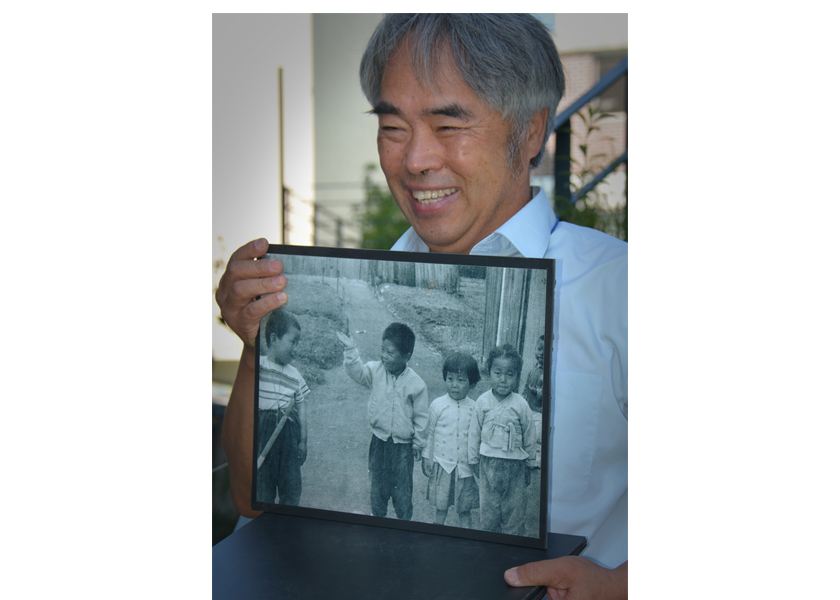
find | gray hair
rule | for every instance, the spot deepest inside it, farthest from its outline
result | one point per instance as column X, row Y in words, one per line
column 509, row 61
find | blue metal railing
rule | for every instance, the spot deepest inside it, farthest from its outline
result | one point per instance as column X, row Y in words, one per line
column 562, row 130
column 581, row 193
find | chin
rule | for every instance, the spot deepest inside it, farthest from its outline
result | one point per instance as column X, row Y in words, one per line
column 437, row 239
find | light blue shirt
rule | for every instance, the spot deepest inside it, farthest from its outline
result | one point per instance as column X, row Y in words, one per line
column 588, row 465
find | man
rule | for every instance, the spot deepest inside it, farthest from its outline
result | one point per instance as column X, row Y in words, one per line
column 465, row 106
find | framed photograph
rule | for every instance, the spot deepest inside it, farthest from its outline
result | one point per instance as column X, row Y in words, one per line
column 407, row 390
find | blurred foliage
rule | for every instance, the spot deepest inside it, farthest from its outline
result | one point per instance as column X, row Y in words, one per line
column 381, row 221
column 592, row 209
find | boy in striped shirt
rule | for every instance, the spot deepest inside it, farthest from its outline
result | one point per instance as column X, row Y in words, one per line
column 281, row 394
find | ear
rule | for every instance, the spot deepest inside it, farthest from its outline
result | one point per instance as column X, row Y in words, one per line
column 536, row 134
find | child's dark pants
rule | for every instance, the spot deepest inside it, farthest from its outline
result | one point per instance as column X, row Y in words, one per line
column 391, row 477
column 501, row 489
column 280, row 473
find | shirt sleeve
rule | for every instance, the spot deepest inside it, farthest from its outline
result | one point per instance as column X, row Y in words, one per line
column 430, row 432
column 420, row 416
column 303, row 389
column 529, row 435
column 474, row 437
column 358, row 372
column 619, row 341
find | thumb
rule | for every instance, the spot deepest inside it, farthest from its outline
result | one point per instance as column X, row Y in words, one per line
column 544, row 572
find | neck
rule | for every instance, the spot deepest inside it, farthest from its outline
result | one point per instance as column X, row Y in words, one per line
column 519, row 196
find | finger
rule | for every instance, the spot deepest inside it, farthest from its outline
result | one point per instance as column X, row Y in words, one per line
column 244, row 270
column 543, row 572
column 244, row 292
column 243, row 258
column 251, row 250
column 256, row 310
column 252, row 269
column 248, row 319
column 512, row 577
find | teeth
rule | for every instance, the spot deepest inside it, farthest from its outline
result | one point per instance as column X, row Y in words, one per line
column 427, row 196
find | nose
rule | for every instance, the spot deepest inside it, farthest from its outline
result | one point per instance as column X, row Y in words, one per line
column 422, row 152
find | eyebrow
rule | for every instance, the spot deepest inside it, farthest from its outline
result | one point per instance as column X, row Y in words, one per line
column 455, row 111
column 384, row 108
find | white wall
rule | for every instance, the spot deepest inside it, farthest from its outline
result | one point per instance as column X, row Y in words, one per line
column 248, row 49
column 590, row 32
column 345, row 137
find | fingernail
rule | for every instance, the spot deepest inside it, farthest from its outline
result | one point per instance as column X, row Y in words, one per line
column 261, row 242
column 512, row 576
column 274, row 265
column 278, row 280
column 282, row 298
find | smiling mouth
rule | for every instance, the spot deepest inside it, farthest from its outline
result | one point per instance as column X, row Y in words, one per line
column 432, row 196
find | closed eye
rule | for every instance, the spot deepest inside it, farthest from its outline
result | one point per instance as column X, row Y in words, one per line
column 391, row 132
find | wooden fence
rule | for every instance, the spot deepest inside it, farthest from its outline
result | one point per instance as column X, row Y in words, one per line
column 514, row 310
column 376, row 272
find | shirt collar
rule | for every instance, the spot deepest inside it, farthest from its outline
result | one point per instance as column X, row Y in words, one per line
column 267, row 362
column 391, row 376
column 525, row 234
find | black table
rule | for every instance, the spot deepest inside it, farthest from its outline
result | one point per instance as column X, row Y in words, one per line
column 291, row 557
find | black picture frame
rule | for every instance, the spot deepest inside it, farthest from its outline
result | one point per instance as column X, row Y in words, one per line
column 451, row 302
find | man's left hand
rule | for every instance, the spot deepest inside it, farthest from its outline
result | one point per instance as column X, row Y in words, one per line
column 572, row 578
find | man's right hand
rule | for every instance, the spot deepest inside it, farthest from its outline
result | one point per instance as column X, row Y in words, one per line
column 243, row 281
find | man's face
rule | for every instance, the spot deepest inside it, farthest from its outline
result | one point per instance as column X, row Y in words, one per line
column 444, row 155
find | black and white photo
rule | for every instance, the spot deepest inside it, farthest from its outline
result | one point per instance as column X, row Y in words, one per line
column 407, row 390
